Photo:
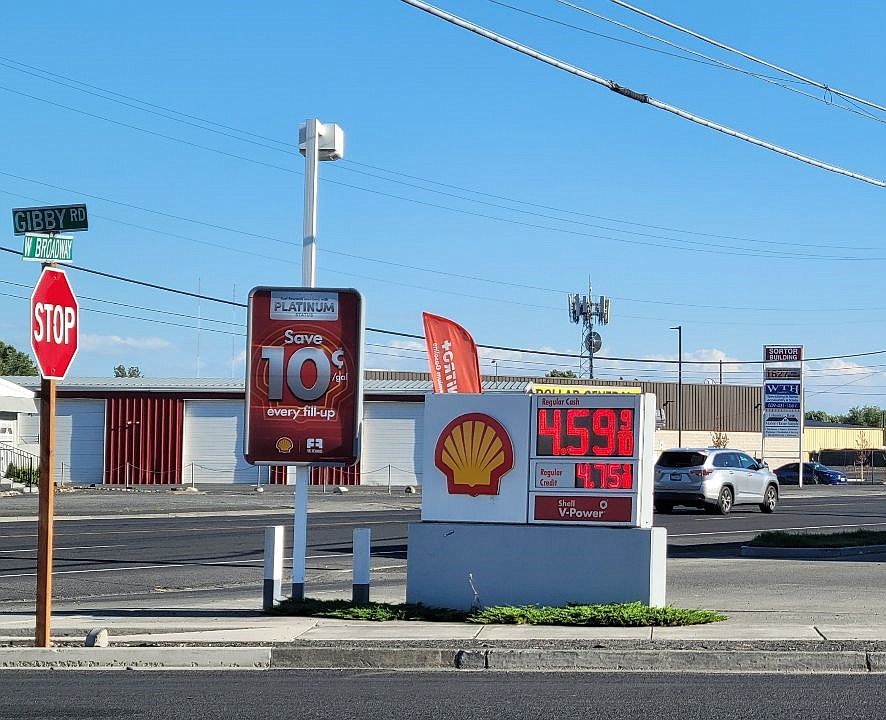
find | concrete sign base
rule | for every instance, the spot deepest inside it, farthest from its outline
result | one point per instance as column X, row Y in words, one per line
column 460, row 565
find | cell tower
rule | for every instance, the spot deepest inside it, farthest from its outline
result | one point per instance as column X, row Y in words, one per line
column 585, row 312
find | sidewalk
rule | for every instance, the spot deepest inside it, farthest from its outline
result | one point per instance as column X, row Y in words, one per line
column 200, row 637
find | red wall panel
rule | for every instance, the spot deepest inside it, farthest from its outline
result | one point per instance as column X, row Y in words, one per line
column 144, row 440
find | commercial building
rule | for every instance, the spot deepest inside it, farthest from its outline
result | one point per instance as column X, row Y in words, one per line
column 182, row 431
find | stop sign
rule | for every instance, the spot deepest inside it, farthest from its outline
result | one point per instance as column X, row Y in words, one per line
column 54, row 324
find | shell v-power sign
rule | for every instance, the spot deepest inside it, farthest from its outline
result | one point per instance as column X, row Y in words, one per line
column 304, row 376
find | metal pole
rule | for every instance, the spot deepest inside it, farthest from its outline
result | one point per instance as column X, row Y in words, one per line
column 389, row 479
column 271, row 592
column 361, row 572
column 721, row 372
column 308, row 279
column 679, row 329
column 46, row 514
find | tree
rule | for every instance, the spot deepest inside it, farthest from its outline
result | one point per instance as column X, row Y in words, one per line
column 818, row 416
column 133, row 371
column 15, row 362
column 719, row 440
column 867, row 416
column 561, row 374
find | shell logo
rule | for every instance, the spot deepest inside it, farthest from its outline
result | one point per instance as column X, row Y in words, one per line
column 284, row 445
column 474, row 451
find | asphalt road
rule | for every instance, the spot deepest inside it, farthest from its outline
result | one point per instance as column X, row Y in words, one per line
column 159, row 695
column 128, row 560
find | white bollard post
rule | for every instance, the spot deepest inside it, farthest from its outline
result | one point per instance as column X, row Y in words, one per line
column 273, row 586
column 360, row 587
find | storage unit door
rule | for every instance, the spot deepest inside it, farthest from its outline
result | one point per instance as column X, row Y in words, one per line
column 213, row 444
column 392, row 442
column 79, row 440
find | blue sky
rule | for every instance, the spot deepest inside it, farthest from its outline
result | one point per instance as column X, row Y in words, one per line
column 478, row 183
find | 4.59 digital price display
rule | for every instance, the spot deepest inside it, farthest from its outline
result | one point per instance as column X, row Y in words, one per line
column 585, row 432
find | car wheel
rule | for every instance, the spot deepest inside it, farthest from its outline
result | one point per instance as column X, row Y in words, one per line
column 665, row 508
column 770, row 499
column 724, row 501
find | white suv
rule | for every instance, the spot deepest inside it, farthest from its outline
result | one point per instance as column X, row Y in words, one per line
column 714, row 479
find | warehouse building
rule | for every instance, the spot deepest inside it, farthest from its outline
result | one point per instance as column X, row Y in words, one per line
column 190, row 431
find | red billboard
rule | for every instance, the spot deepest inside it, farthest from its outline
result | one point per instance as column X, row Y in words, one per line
column 304, row 376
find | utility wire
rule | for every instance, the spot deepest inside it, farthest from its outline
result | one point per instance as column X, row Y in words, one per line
column 712, row 60
column 344, row 167
column 634, row 95
column 723, row 46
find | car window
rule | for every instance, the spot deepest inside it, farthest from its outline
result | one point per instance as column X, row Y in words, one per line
column 747, row 462
column 681, row 459
column 722, row 460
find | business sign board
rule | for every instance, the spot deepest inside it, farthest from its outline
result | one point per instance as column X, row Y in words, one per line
column 539, row 389
column 539, row 459
column 782, row 424
column 782, row 353
column 783, row 391
column 52, row 219
column 781, row 373
column 304, row 376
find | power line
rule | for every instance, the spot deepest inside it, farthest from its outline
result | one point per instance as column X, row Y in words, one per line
column 547, row 353
column 759, row 253
column 707, row 59
column 639, row 97
column 748, row 56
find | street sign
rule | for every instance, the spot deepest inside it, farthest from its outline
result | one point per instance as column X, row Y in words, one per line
column 54, row 324
column 304, row 376
column 53, row 219
column 39, row 247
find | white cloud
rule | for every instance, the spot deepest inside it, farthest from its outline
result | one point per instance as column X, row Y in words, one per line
column 113, row 343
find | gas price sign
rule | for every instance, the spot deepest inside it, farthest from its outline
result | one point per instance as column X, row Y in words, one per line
column 304, row 376
column 590, row 446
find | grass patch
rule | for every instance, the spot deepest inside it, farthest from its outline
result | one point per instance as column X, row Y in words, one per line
column 634, row 614
column 852, row 538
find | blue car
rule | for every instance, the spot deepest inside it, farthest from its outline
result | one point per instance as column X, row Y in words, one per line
column 813, row 473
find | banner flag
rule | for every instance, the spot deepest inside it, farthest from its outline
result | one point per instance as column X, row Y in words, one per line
column 452, row 356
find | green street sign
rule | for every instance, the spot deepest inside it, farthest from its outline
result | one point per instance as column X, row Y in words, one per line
column 48, row 248
column 52, row 219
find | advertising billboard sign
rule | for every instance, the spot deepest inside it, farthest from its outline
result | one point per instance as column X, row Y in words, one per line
column 304, row 376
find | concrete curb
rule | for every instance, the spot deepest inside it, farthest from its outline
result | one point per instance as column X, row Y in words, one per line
column 418, row 658
column 83, row 658
column 801, row 553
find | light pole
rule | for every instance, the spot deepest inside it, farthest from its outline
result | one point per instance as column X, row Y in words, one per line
column 316, row 141
column 679, row 329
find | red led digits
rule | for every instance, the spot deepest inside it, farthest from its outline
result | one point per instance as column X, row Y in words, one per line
column 585, row 432
column 553, row 431
column 579, row 432
column 604, row 476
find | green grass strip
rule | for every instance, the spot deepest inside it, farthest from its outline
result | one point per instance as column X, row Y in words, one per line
column 634, row 614
column 852, row 538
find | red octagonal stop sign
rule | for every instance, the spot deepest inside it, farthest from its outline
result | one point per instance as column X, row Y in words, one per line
column 54, row 324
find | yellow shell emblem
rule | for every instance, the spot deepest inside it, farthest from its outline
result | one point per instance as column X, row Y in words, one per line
column 284, row 445
column 474, row 451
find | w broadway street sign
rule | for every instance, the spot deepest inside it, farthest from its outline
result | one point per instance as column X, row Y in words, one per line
column 48, row 248
column 54, row 324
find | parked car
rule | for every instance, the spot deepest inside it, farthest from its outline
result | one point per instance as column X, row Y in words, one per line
column 813, row 472
column 714, row 479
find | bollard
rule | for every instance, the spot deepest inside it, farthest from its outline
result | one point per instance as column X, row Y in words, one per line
column 272, row 593
column 360, row 587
